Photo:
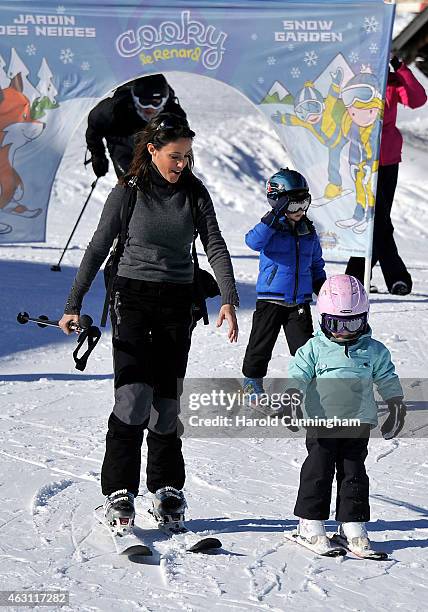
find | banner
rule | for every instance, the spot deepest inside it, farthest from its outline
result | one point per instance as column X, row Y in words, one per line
column 317, row 70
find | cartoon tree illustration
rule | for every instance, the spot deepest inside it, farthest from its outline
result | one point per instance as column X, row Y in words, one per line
column 47, row 92
column 4, row 79
column 16, row 68
column 45, row 86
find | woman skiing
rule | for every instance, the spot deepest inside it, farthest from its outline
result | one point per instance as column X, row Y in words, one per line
column 336, row 370
column 151, row 313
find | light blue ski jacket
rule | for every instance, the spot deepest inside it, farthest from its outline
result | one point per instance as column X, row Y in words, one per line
column 337, row 379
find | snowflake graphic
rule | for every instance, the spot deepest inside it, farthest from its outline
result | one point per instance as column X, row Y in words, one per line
column 310, row 58
column 261, row 80
column 85, row 65
column 60, row 9
column 373, row 48
column 254, row 36
column 290, row 46
column 295, row 72
column 354, row 57
column 371, row 25
column 31, row 50
column 66, row 56
column 271, row 60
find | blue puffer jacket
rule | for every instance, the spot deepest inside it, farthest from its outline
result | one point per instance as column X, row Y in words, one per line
column 291, row 264
column 337, row 379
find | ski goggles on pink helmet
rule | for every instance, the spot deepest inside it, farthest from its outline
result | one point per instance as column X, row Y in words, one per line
column 334, row 324
column 294, row 201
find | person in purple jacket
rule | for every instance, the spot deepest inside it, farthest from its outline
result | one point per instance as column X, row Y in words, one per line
column 402, row 88
column 291, row 268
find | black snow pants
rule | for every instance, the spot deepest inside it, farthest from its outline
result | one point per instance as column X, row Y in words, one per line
column 328, row 455
column 152, row 327
column 268, row 319
column 384, row 248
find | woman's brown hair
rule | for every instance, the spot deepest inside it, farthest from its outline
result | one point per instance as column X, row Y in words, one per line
column 160, row 131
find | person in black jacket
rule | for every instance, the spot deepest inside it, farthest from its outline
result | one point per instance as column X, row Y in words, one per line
column 119, row 118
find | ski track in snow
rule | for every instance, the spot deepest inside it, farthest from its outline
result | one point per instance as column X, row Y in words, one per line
column 242, row 490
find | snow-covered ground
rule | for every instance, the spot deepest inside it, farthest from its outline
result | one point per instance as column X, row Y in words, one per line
column 53, row 419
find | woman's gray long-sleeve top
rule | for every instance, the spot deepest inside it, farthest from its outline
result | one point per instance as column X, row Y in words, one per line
column 158, row 244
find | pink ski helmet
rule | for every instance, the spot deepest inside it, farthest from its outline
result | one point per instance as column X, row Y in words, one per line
column 343, row 305
column 342, row 295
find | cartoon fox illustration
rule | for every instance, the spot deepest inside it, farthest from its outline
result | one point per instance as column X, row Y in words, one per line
column 16, row 130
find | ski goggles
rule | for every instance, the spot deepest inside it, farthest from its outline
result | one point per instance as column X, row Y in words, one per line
column 358, row 93
column 309, row 107
column 172, row 124
column 294, row 202
column 339, row 325
column 153, row 103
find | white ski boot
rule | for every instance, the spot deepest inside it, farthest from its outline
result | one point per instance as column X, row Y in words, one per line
column 119, row 512
column 355, row 534
column 168, row 509
column 312, row 535
column 355, row 538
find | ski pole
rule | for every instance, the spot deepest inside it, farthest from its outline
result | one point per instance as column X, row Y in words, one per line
column 57, row 267
column 83, row 327
column 85, row 321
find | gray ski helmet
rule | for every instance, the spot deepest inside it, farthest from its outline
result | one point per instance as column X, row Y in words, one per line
column 153, row 87
column 283, row 182
column 308, row 101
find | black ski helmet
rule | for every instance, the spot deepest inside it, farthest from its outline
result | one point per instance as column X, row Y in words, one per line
column 285, row 181
column 152, row 87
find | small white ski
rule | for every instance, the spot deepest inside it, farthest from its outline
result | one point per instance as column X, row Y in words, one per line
column 129, row 545
column 369, row 553
column 325, row 549
column 180, row 533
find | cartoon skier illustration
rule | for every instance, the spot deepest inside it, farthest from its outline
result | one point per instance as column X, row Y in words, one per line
column 17, row 129
column 364, row 105
column 322, row 117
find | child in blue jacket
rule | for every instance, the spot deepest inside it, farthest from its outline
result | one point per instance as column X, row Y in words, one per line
column 336, row 370
column 291, row 268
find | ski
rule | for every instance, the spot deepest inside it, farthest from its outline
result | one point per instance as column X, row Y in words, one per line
column 181, row 534
column 178, row 532
column 373, row 555
column 130, row 545
column 322, row 201
column 327, row 550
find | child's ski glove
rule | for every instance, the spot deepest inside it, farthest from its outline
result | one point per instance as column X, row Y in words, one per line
column 395, row 420
column 272, row 218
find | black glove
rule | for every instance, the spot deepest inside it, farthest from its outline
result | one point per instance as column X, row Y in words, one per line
column 271, row 218
column 395, row 420
column 395, row 63
column 317, row 284
column 99, row 165
column 294, row 409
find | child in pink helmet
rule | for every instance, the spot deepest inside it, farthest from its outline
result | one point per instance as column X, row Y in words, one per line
column 336, row 370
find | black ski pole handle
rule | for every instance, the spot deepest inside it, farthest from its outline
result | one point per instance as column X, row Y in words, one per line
column 85, row 321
